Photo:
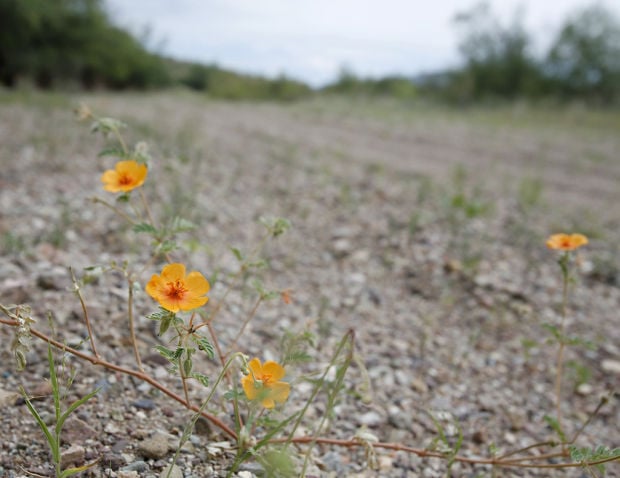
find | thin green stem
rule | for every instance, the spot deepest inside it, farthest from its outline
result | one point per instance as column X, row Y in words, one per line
column 187, row 432
column 120, row 139
column 349, row 336
column 113, row 208
column 91, row 337
column 245, row 323
column 132, row 329
column 562, row 340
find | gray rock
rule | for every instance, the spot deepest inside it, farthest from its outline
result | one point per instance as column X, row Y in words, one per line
column 74, row 455
column 135, row 466
column 175, row 473
column 154, row 447
column 77, row 431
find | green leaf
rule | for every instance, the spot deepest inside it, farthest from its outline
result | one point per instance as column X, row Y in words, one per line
column 145, row 227
column 48, row 435
column 161, row 314
column 187, row 366
column 164, row 325
column 237, row 254
column 555, row 331
column 181, row 225
column 167, row 246
column 553, row 423
column 171, row 355
column 78, row 469
column 203, row 379
column 112, row 151
column 73, row 407
column 205, row 346
column 233, row 394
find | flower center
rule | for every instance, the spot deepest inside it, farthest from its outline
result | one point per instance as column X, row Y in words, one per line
column 176, row 290
column 265, row 378
column 125, row 179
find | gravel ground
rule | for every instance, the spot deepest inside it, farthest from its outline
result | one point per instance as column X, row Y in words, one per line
column 423, row 231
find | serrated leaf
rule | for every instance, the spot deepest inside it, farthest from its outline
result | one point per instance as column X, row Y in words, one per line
column 205, row 346
column 167, row 246
column 181, row 225
column 161, row 314
column 203, row 379
column 145, row 227
column 270, row 295
column 112, row 151
column 233, row 394
column 169, row 354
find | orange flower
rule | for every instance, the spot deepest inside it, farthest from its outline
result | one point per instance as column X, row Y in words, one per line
column 126, row 175
column 566, row 242
column 262, row 383
column 176, row 291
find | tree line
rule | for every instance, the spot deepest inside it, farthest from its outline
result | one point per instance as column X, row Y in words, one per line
column 55, row 43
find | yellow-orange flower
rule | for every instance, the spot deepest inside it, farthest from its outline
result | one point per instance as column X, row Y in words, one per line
column 263, row 383
column 176, row 291
column 566, row 242
column 125, row 176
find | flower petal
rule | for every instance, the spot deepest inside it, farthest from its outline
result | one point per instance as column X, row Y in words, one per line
column 251, row 391
column 256, row 368
column 274, row 369
column 197, row 283
column 280, row 391
column 173, row 272
column 188, row 302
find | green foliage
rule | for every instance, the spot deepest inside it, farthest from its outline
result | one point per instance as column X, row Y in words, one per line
column 219, row 83
column 55, row 41
column 585, row 456
column 556, row 427
column 584, row 60
column 348, row 83
column 53, row 435
column 498, row 62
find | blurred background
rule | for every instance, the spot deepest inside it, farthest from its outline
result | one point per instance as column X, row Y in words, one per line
column 457, row 51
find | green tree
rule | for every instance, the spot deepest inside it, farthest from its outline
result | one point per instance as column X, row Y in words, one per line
column 497, row 58
column 584, row 59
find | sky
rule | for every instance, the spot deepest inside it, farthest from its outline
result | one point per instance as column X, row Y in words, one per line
column 313, row 40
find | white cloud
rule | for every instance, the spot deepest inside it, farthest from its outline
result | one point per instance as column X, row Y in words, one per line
column 312, row 39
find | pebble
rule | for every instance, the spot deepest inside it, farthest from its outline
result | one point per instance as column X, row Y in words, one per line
column 76, row 431
column 135, row 466
column 127, row 474
column 74, row 455
column 8, row 398
column 584, row 389
column 144, row 404
column 370, row 419
column 611, row 366
column 175, row 473
column 154, row 447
